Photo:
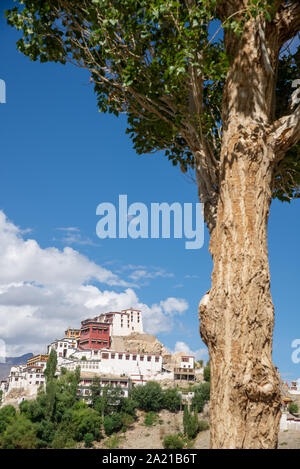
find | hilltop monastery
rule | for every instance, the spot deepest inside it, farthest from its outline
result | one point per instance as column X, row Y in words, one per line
column 111, row 347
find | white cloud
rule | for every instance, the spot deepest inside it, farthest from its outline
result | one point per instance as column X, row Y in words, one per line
column 44, row 291
column 73, row 236
column 200, row 354
column 174, row 306
column 146, row 274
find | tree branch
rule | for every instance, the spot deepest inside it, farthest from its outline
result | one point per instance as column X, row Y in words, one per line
column 286, row 133
column 288, row 20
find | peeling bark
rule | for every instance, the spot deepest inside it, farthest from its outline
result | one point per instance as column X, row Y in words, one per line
column 237, row 315
column 236, row 318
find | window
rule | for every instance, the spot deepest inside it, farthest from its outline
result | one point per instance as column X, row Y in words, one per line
column 133, row 357
column 120, row 356
column 105, row 356
column 112, row 355
column 185, row 359
column 149, row 358
column 142, row 358
column 157, row 359
column 127, row 357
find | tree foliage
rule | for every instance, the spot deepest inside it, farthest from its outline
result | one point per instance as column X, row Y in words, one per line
column 159, row 63
column 148, row 397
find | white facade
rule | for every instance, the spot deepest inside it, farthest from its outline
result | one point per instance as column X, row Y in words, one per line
column 63, row 347
column 118, row 364
column 130, row 363
column 295, row 387
column 289, row 424
column 125, row 322
column 187, row 361
column 29, row 378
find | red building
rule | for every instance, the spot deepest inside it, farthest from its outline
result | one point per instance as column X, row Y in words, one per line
column 94, row 335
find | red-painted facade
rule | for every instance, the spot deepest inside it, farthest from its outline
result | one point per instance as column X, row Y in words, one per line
column 94, row 335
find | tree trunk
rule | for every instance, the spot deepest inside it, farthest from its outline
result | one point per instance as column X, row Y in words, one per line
column 236, row 320
column 237, row 316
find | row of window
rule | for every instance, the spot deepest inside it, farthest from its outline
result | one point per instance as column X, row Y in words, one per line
column 106, row 356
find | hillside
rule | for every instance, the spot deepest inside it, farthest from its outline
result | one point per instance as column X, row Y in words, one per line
column 12, row 361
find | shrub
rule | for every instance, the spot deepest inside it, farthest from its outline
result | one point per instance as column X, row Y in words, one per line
column 203, row 425
column 127, row 420
column 150, row 419
column 112, row 423
column 112, row 442
column 88, row 440
column 173, row 442
column 293, row 408
column 63, row 441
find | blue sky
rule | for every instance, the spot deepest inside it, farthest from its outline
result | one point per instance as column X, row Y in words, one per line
column 60, row 158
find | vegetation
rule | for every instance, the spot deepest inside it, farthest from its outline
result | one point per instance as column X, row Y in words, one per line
column 148, row 397
column 206, row 372
column 171, row 399
column 151, row 418
column 60, row 418
column 293, row 408
column 173, row 442
column 201, row 396
column 191, row 425
column 193, row 95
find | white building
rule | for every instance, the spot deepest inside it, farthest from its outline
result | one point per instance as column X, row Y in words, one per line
column 63, row 347
column 295, row 387
column 86, row 380
column 28, row 378
column 288, row 423
column 124, row 322
column 187, row 361
column 135, row 365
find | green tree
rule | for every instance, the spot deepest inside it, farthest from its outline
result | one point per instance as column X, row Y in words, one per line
column 7, row 415
column 109, row 401
column 19, row 434
column 185, row 418
column 148, row 397
column 293, row 408
column 128, row 406
column 190, row 423
column 51, row 366
column 171, row 399
column 206, row 372
column 201, row 396
column 219, row 105
column 112, row 423
column 86, row 420
column 88, row 440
